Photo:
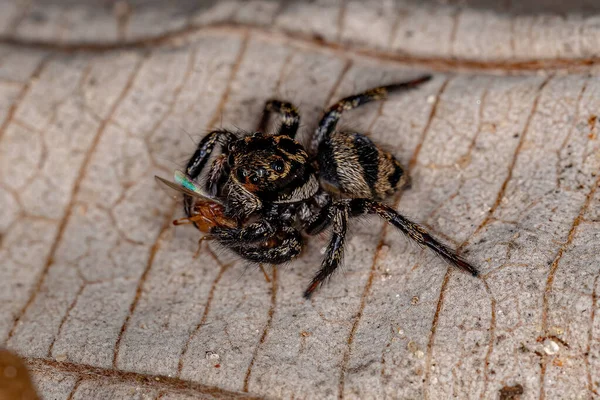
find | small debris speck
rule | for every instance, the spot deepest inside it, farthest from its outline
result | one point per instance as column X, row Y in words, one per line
column 412, row 346
column 211, row 355
column 511, row 392
column 557, row 330
column 557, row 362
column 419, row 354
column 414, row 301
column 550, row 347
column 61, row 357
column 431, row 99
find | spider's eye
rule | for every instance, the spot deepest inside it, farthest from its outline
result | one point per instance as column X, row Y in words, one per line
column 277, row 166
column 230, row 160
column 254, row 179
column 242, row 174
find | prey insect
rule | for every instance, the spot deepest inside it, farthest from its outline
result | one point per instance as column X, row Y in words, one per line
column 261, row 194
column 205, row 212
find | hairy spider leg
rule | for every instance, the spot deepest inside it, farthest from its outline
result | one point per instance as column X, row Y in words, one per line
column 338, row 212
column 290, row 118
column 260, row 230
column 332, row 114
column 201, row 156
column 205, row 149
column 337, row 215
column 281, row 248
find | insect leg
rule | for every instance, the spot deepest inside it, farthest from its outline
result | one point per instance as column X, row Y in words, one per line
column 332, row 114
column 335, row 249
column 290, row 118
column 411, row 229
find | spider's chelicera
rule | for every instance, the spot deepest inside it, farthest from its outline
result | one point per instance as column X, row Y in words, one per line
column 264, row 192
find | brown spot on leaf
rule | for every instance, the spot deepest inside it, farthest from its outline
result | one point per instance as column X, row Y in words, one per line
column 511, row 392
column 15, row 382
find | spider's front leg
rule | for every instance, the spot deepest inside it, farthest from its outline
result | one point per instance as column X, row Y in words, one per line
column 200, row 158
column 260, row 230
column 283, row 246
column 290, row 118
column 205, row 148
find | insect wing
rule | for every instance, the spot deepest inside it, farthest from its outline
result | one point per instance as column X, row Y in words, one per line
column 183, row 186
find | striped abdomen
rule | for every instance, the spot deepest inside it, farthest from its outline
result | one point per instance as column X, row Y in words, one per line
column 353, row 165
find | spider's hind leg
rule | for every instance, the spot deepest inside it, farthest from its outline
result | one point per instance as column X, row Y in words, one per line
column 411, row 229
column 290, row 118
column 338, row 213
column 335, row 214
column 332, row 114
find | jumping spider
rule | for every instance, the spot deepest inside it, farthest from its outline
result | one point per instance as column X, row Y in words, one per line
column 263, row 191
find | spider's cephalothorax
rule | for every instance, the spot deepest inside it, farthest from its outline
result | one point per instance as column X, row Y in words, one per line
column 273, row 168
column 270, row 189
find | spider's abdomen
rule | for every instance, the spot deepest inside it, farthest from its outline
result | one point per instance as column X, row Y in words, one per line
column 353, row 165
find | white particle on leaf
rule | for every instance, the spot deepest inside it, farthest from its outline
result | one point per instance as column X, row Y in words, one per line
column 431, row 99
column 550, row 347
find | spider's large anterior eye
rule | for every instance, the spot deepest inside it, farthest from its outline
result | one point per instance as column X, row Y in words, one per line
column 277, row 166
column 254, row 179
column 241, row 174
column 230, row 160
